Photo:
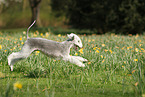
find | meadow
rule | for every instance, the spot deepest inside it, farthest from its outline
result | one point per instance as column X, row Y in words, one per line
column 115, row 68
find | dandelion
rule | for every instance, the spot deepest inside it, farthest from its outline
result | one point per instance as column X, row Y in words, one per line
column 76, row 54
column 94, row 48
column 122, row 48
column 89, row 40
column 14, row 48
column 142, row 49
column 124, row 62
column 103, row 45
column 110, row 51
column 17, row 85
column 35, row 35
column 136, row 84
column 59, row 35
column 81, row 51
column 5, row 50
column 136, row 35
column 0, row 46
column 127, row 48
column 135, row 60
column 89, row 62
column 20, row 38
column 140, row 44
column 136, row 49
column 133, row 71
column 24, row 32
column 46, row 34
column 22, row 42
column 37, row 52
column 15, row 42
column 122, row 66
column 105, row 50
column 97, row 51
column 139, row 40
column 101, row 56
column 41, row 34
column 103, row 61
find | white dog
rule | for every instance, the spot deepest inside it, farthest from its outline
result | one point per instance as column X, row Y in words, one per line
column 58, row 50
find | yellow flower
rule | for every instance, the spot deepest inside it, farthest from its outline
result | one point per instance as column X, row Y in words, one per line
column 97, row 51
column 24, row 32
column 22, row 42
column 133, row 71
column 35, row 35
column 140, row 44
column 122, row 66
column 41, row 34
column 46, row 34
column 14, row 48
column 136, row 84
column 20, row 38
column 103, row 61
column 136, row 49
column 17, row 85
column 135, row 59
column 94, row 48
column 81, row 51
column 142, row 49
column 110, row 51
column 89, row 40
column 103, row 45
column 89, row 62
column 101, row 56
column 0, row 46
column 105, row 50
column 76, row 54
column 59, row 35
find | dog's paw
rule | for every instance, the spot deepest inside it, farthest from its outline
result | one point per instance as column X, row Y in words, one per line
column 85, row 60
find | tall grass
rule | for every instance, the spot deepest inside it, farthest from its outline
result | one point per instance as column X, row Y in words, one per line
column 115, row 67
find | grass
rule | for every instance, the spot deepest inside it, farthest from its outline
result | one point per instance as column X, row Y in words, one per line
column 115, row 68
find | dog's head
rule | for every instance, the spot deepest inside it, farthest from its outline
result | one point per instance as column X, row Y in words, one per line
column 75, row 39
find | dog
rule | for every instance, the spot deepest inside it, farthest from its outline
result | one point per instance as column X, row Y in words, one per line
column 53, row 49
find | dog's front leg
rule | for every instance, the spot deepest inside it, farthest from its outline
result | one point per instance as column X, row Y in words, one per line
column 74, row 60
column 80, row 58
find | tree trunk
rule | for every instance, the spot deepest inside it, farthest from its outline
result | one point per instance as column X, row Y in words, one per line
column 35, row 4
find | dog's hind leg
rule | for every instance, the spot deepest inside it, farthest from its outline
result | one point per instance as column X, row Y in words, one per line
column 14, row 57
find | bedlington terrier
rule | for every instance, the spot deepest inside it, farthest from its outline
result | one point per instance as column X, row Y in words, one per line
column 53, row 49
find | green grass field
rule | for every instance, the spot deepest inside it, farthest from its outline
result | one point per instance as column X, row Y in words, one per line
column 115, row 68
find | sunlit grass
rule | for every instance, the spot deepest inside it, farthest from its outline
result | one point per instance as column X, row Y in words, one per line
column 115, row 67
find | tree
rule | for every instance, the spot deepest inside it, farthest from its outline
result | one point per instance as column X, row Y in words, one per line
column 121, row 16
column 35, row 4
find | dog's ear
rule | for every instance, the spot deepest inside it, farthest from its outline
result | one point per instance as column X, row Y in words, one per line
column 70, row 36
column 73, row 38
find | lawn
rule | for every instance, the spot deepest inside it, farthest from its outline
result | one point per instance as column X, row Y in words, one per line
column 115, row 68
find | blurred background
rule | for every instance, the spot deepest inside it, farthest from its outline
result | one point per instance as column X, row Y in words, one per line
column 92, row 16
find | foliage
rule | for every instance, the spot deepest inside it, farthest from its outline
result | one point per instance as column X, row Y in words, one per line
column 115, row 68
column 123, row 16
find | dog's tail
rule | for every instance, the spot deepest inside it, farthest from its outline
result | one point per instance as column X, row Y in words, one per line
column 29, row 28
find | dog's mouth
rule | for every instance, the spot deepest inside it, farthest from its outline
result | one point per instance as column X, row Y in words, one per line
column 76, row 47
